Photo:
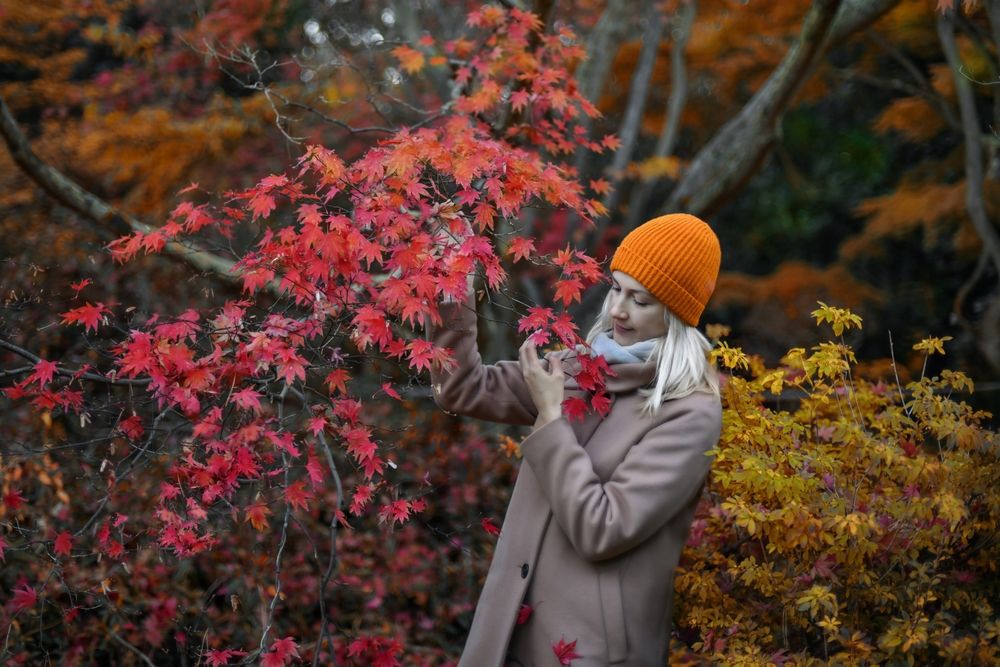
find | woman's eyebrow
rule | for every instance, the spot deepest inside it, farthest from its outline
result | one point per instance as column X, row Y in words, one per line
column 639, row 291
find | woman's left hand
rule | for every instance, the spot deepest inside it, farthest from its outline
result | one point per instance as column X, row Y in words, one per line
column 546, row 386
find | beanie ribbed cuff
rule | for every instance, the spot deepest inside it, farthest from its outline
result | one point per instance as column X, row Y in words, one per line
column 667, row 290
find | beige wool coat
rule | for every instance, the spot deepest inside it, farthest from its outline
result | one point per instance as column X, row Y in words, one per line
column 598, row 516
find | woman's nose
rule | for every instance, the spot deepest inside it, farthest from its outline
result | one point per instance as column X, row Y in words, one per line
column 617, row 312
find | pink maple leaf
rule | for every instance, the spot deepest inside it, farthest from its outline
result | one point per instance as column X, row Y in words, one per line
column 24, row 598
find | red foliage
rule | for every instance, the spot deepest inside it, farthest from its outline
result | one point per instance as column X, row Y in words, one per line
column 242, row 424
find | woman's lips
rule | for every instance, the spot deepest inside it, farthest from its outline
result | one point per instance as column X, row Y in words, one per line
column 620, row 329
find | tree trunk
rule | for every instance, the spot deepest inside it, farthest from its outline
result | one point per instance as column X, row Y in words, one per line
column 729, row 158
column 628, row 133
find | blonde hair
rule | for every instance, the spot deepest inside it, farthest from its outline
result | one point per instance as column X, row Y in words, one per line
column 680, row 357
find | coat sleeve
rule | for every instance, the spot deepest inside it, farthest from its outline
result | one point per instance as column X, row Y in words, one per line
column 494, row 392
column 659, row 476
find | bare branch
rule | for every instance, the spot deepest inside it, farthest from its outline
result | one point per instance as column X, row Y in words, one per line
column 142, row 656
column 632, row 119
column 682, row 24
column 602, row 46
column 21, row 352
column 974, row 203
column 94, row 209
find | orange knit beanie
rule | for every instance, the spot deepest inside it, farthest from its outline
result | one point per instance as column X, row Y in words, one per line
column 676, row 257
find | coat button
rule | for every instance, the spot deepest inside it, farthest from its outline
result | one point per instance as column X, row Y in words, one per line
column 524, row 570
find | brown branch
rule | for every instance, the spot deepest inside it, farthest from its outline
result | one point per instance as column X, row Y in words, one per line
column 667, row 140
column 974, row 178
column 94, row 209
column 631, row 123
column 603, row 44
column 132, row 648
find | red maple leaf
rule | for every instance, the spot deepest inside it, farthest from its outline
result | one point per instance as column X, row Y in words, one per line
column 601, row 403
column 24, row 598
column 575, row 408
column 297, row 495
column 13, row 500
column 337, row 380
column 395, row 512
column 611, row 142
column 314, row 469
column 600, row 186
column 282, row 651
column 521, row 248
column 362, row 496
column 537, row 318
column 411, row 60
column 564, row 328
column 63, row 544
column 317, row 424
column 568, row 290
column 77, row 287
column 88, row 315
column 131, row 427
column 421, row 353
column 490, row 527
column 360, row 444
column 565, row 653
column 248, row 399
column 524, row 613
column 257, row 515
column 43, row 373
column 219, row 657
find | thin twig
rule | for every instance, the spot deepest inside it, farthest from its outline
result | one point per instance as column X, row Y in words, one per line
column 142, row 656
column 20, row 351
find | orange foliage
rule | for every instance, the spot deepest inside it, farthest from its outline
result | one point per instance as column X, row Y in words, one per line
column 912, row 117
column 794, row 287
column 904, row 210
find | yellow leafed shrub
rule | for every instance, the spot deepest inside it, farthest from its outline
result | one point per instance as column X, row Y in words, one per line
column 857, row 526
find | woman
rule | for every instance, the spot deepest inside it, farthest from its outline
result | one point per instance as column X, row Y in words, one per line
column 601, row 508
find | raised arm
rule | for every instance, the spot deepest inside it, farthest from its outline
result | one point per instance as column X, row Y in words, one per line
column 492, row 392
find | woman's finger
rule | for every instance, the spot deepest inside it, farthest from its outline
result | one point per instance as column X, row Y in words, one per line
column 530, row 352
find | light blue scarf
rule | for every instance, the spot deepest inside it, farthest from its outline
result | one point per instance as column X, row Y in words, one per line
column 622, row 354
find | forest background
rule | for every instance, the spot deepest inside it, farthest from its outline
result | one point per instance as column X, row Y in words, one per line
column 225, row 223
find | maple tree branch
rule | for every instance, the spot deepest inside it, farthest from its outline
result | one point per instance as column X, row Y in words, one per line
column 21, row 352
column 974, row 179
column 107, row 218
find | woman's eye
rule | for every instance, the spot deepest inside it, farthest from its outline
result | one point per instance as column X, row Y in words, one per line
column 616, row 288
column 640, row 303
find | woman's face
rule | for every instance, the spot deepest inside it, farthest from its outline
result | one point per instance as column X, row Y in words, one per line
column 636, row 315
